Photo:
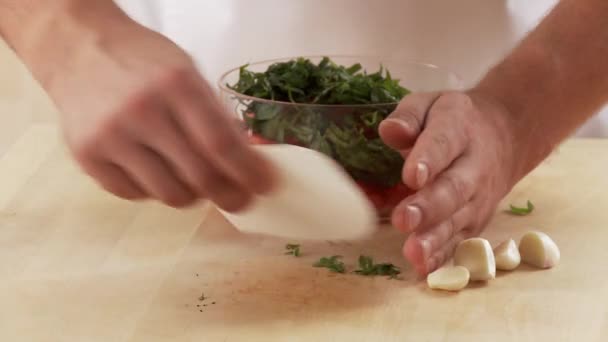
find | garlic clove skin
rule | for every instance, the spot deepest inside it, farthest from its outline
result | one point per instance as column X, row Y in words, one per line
column 507, row 255
column 539, row 250
column 477, row 256
column 449, row 278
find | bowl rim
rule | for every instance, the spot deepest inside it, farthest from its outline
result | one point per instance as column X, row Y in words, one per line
column 224, row 88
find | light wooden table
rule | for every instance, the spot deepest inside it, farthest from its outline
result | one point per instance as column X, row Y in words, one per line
column 79, row 265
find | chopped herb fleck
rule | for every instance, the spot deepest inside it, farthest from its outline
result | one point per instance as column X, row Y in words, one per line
column 520, row 211
column 332, row 263
column 292, row 249
column 367, row 267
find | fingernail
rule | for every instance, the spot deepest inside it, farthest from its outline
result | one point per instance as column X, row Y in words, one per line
column 401, row 123
column 425, row 245
column 414, row 216
column 422, row 174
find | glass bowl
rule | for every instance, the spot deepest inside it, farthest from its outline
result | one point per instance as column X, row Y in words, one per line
column 347, row 133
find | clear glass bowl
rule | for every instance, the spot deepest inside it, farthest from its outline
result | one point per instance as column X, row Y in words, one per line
column 333, row 129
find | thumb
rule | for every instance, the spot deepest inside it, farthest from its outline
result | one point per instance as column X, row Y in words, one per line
column 401, row 128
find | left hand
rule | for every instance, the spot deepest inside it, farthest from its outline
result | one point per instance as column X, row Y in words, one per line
column 459, row 150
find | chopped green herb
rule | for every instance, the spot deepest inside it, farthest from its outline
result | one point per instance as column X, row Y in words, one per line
column 302, row 81
column 368, row 268
column 292, row 249
column 349, row 135
column 332, row 263
column 520, row 211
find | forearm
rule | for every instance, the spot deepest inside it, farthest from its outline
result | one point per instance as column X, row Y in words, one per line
column 47, row 34
column 554, row 80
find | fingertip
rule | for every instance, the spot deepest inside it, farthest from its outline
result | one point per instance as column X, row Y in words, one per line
column 127, row 191
column 234, row 202
column 422, row 174
column 407, row 217
column 398, row 219
column 413, row 252
column 396, row 133
column 417, row 172
column 408, row 174
column 180, row 201
column 270, row 178
column 264, row 176
column 135, row 196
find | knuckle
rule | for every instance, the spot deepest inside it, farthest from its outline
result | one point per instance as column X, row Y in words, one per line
column 466, row 101
column 441, row 143
column 455, row 241
column 87, row 147
column 458, row 187
column 138, row 101
column 83, row 152
column 452, row 227
column 141, row 111
column 456, row 98
column 409, row 114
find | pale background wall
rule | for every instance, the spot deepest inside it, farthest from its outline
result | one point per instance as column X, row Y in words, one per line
column 467, row 36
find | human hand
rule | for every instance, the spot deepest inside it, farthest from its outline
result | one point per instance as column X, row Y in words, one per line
column 140, row 119
column 460, row 158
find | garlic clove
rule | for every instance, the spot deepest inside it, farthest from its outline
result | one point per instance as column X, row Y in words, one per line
column 477, row 256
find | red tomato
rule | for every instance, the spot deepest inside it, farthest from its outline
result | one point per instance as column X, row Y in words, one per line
column 396, row 194
column 256, row 139
column 293, row 141
column 373, row 193
column 383, row 198
column 377, row 201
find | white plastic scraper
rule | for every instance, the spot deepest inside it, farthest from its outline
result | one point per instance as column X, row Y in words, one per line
column 315, row 200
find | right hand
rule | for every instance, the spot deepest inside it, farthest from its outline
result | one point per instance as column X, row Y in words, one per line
column 461, row 161
column 140, row 119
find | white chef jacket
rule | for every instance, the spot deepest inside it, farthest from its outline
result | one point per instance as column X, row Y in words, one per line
column 467, row 36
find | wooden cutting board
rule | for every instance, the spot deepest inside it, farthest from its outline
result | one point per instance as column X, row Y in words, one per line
column 79, row 265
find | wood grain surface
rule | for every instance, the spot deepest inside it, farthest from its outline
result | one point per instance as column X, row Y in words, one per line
column 77, row 264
